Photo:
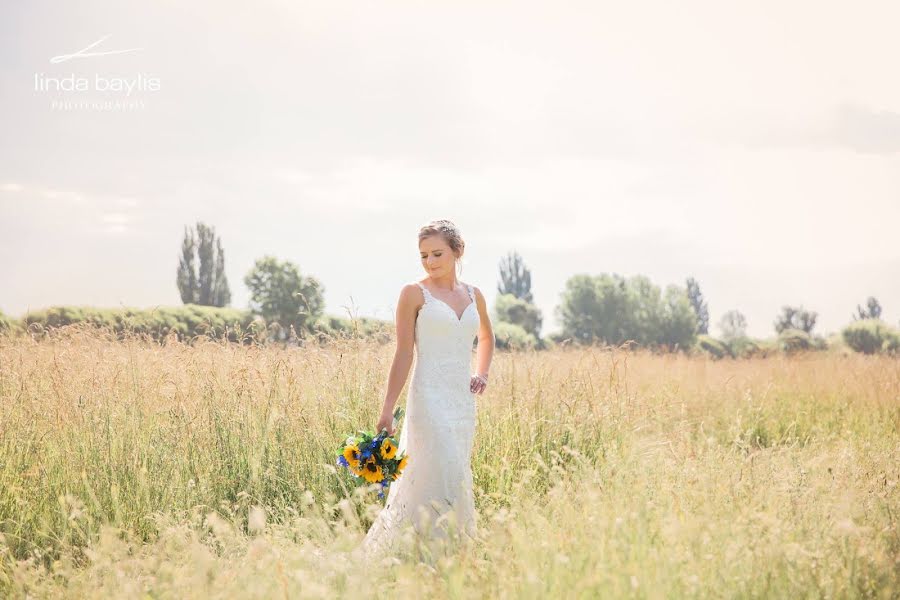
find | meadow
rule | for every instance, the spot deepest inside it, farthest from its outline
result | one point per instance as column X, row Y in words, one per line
column 134, row 469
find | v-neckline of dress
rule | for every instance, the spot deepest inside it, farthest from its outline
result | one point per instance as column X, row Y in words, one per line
column 459, row 317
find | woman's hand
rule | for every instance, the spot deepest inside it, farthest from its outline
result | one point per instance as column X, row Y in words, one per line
column 385, row 422
column 478, row 383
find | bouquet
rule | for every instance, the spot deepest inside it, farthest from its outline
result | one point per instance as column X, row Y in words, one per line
column 372, row 457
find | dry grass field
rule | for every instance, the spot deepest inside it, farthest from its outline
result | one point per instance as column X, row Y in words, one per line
column 135, row 470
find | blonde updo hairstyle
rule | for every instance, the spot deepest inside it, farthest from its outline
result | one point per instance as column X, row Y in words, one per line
column 451, row 235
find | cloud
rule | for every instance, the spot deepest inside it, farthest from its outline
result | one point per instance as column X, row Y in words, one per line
column 649, row 137
column 848, row 125
column 30, row 207
column 867, row 130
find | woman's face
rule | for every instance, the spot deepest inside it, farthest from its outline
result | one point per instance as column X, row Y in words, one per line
column 437, row 257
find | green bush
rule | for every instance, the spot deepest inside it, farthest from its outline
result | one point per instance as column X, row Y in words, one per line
column 193, row 320
column 184, row 322
column 737, row 347
column 509, row 336
column 509, row 309
column 329, row 326
column 871, row 336
column 713, row 347
column 7, row 324
column 766, row 347
column 892, row 343
column 744, row 347
column 794, row 340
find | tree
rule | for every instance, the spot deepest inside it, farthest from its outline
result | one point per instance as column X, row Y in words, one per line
column 699, row 305
column 595, row 309
column 280, row 294
column 515, row 277
column 678, row 325
column 733, row 325
column 645, row 305
column 795, row 318
column 209, row 286
column 187, row 270
column 872, row 310
column 612, row 309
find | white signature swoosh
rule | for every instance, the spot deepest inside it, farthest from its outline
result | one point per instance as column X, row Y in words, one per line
column 82, row 52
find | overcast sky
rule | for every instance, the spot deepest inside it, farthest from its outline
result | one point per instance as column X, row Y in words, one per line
column 752, row 145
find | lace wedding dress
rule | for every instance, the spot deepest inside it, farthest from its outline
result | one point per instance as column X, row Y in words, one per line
column 434, row 496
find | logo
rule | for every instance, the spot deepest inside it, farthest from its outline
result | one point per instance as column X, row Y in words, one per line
column 83, row 53
column 100, row 92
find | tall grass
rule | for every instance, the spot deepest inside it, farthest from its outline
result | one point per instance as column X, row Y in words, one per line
column 129, row 468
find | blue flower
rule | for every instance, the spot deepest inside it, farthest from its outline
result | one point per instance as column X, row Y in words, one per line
column 342, row 461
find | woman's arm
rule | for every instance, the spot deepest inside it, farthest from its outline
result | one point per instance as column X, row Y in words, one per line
column 485, row 352
column 410, row 300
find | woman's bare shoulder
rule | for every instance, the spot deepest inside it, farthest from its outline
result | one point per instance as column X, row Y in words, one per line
column 412, row 292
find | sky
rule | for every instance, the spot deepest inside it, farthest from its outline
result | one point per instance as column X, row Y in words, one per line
column 754, row 146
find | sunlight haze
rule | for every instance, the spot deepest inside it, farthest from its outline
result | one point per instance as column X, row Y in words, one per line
column 753, row 146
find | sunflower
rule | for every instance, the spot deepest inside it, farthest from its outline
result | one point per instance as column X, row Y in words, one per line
column 371, row 471
column 388, row 449
column 400, row 465
column 351, row 455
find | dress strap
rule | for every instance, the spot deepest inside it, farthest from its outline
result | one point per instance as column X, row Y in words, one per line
column 425, row 291
column 471, row 293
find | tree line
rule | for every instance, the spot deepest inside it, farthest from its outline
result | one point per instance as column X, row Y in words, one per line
column 605, row 308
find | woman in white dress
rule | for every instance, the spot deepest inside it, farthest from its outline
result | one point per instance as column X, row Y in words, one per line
column 437, row 321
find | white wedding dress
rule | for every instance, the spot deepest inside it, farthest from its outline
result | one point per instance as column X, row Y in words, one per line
column 433, row 496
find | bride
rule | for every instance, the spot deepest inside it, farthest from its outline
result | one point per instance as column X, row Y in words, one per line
column 438, row 317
